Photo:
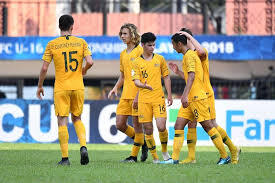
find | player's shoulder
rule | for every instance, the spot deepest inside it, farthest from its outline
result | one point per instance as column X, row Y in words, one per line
column 158, row 57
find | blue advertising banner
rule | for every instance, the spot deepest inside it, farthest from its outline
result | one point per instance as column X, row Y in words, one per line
column 247, row 122
column 235, row 48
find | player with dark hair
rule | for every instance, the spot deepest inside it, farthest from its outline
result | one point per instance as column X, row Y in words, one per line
column 195, row 104
column 193, row 44
column 67, row 52
column 128, row 102
column 148, row 70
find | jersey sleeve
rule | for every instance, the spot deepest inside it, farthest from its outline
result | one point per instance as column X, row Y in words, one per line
column 164, row 68
column 86, row 49
column 190, row 63
column 48, row 56
column 135, row 72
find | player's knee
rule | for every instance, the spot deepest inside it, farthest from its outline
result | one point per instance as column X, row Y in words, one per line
column 121, row 127
column 192, row 124
column 161, row 128
column 139, row 140
column 75, row 118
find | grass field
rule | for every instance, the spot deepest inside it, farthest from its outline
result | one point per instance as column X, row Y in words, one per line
column 37, row 163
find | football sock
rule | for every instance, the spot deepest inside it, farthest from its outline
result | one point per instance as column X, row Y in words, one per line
column 130, row 132
column 81, row 133
column 163, row 136
column 191, row 142
column 217, row 140
column 138, row 141
column 63, row 136
column 226, row 139
column 178, row 141
column 150, row 141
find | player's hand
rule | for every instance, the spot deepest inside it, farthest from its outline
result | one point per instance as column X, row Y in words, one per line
column 174, row 67
column 146, row 86
column 113, row 91
column 135, row 103
column 184, row 101
column 170, row 100
column 184, row 33
column 39, row 91
column 84, row 72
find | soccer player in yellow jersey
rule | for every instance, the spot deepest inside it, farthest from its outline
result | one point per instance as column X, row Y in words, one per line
column 68, row 53
column 148, row 70
column 128, row 102
column 195, row 103
column 193, row 44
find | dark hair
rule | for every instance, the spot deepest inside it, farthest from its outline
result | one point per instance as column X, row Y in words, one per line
column 65, row 22
column 186, row 30
column 148, row 37
column 179, row 38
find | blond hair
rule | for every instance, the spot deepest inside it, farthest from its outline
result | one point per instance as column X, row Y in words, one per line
column 135, row 37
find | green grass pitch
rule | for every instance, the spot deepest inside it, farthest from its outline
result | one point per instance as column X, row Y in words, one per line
column 37, row 163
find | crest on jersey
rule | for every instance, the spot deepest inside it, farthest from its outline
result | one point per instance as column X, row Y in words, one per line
column 132, row 59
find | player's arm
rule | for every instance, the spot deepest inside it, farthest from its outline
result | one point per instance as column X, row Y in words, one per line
column 139, row 84
column 88, row 65
column 167, row 84
column 174, row 67
column 199, row 48
column 42, row 76
column 184, row 97
column 135, row 102
column 117, row 86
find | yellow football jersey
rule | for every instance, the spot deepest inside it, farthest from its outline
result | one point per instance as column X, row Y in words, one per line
column 67, row 52
column 192, row 63
column 150, row 71
column 206, row 76
column 126, row 59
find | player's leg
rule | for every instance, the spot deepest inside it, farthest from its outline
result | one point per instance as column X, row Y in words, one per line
column 159, row 112
column 201, row 111
column 123, row 111
column 138, row 141
column 235, row 151
column 148, row 128
column 191, row 142
column 184, row 116
column 145, row 116
column 77, row 102
column 62, row 103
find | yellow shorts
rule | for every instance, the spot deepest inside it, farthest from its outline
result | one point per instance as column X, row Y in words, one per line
column 125, row 107
column 212, row 107
column 67, row 101
column 197, row 110
column 146, row 111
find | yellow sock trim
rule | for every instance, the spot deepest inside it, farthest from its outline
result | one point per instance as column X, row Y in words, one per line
column 217, row 140
column 163, row 136
column 226, row 139
column 191, row 142
column 138, row 141
column 80, row 132
column 151, row 146
column 178, row 141
column 63, row 137
column 130, row 132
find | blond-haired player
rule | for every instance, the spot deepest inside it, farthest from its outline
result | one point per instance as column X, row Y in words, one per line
column 148, row 70
column 128, row 102
column 67, row 52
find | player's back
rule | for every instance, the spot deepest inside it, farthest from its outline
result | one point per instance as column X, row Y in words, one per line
column 206, row 76
column 67, row 53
